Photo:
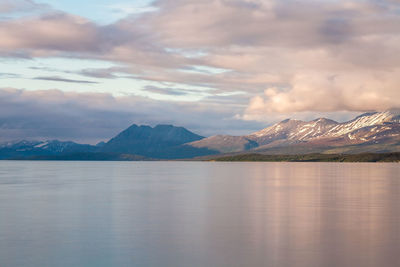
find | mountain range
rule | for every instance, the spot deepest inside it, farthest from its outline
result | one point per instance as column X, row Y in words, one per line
column 369, row 132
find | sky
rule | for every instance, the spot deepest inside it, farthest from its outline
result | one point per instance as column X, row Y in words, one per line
column 85, row 70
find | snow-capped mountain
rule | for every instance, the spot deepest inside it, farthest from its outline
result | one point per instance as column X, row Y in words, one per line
column 24, row 148
column 382, row 120
column 293, row 131
column 366, row 129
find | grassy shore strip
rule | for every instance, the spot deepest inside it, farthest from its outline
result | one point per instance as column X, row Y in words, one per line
column 363, row 157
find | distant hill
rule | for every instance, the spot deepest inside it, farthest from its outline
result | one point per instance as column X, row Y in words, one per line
column 26, row 148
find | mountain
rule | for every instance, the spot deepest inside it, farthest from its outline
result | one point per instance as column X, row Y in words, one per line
column 225, row 143
column 162, row 141
column 134, row 143
column 292, row 131
column 369, row 132
column 24, row 148
column 366, row 130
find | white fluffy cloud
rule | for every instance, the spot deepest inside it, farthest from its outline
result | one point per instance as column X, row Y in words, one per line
column 360, row 91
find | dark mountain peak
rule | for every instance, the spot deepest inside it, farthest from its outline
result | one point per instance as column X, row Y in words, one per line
column 157, row 142
column 165, row 126
column 100, row 144
column 169, row 127
column 134, row 130
column 136, row 126
column 158, row 127
column 144, row 127
column 132, row 127
column 159, row 131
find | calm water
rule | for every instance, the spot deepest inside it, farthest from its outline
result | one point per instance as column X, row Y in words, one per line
column 199, row 214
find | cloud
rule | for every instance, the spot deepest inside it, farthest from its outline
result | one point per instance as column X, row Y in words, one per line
column 91, row 117
column 47, row 35
column 60, row 79
column 165, row 91
column 10, row 6
column 170, row 91
column 8, row 75
column 107, row 73
column 125, row 9
column 360, row 91
column 283, row 56
column 296, row 48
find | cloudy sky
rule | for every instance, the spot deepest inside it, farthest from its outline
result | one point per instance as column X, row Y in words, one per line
column 84, row 70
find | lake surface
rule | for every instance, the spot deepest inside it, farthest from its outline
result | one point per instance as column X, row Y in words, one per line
column 199, row 214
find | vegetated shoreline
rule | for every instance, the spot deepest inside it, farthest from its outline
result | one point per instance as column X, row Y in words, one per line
column 314, row 157
column 249, row 157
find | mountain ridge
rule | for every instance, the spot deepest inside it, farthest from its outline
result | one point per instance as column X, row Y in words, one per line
column 28, row 148
column 368, row 132
column 368, row 128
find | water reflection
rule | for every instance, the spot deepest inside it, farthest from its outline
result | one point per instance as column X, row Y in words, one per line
column 199, row 214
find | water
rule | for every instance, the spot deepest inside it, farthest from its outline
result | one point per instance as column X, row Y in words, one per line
column 199, row 214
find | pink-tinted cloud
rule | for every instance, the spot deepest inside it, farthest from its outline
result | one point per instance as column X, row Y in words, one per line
column 344, row 91
column 10, row 6
column 47, row 35
column 286, row 56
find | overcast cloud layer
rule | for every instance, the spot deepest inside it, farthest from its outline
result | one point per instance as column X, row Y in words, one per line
column 257, row 60
column 94, row 117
